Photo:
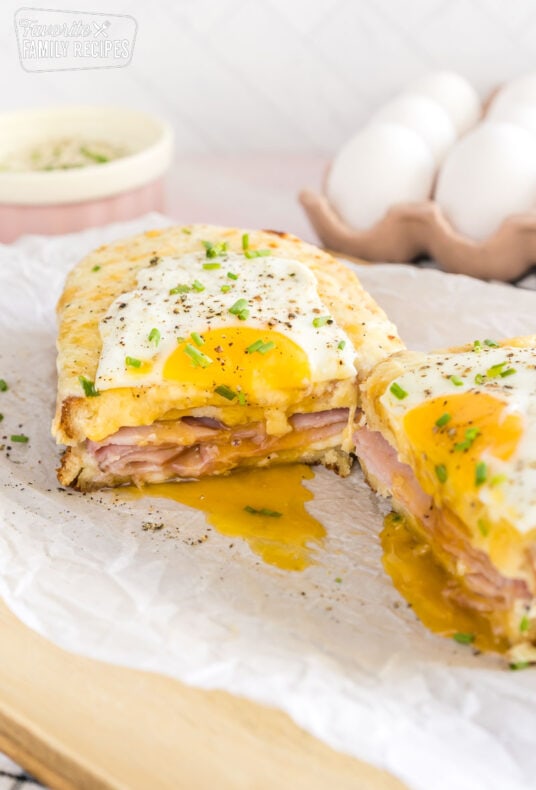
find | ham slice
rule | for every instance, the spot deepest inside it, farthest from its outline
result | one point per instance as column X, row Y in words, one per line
column 193, row 447
column 481, row 587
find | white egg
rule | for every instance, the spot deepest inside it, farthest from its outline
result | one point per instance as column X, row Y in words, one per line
column 489, row 175
column 384, row 164
column 424, row 116
column 454, row 93
column 523, row 115
column 522, row 90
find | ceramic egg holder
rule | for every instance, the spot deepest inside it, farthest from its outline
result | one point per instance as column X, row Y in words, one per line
column 411, row 230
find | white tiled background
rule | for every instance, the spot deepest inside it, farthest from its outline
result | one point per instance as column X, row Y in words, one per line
column 294, row 75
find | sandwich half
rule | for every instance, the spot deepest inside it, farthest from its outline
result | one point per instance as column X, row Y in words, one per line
column 192, row 351
column 450, row 437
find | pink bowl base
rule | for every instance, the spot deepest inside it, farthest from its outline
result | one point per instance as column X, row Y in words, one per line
column 17, row 220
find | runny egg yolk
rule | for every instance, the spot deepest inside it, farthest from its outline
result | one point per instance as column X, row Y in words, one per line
column 243, row 359
column 471, row 425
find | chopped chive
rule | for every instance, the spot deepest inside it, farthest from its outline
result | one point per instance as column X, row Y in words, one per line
column 180, row 289
column 443, row 420
column 477, row 346
column 225, row 289
column 197, row 286
column 257, row 253
column 198, row 340
column 495, row 370
column 396, row 390
column 508, row 372
column 263, row 511
column 491, row 343
column 266, row 347
column 241, row 399
column 524, row 624
column 186, row 231
column 496, row 480
column 464, row 639
column 245, row 241
column 154, row 336
column 483, row 527
column 254, row 347
column 479, row 378
column 338, row 580
column 225, row 392
column 3, row 385
column 441, row 472
column 457, row 381
column 181, row 339
column 341, row 345
column 322, row 320
column 89, row 387
column 1, row 417
column 96, row 268
column 519, row 665
column 239, row 308
column 132, row 362
column 213, row 249
column 481, row 473
column 210, row 266
column 232, row 276
column 20, row 438
column 199, row 359
column 470, row 436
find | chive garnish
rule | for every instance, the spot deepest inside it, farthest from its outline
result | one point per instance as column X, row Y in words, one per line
column 341, row 345
column 470, row 436
column 96, row 268
column 225, row 392
column 198, row 340
column 457, row 381
column 197, row 286
column 245, row 241
column 187, row 231
column 263, row 511
column 254, row 347
column 241, row 399
column 519, row 665
column 180, row 289
column 483, row 527
column 481, row 473
column 443, row 420
column 154, row 336
column 495, row 370
column 199, row 359
column 257, row 253
column 20, row 438
column 479, row 378
column 508, row 372
column 1, row 417
column 464, row 639
column 322, row 320
column 232, row 276
column 266, row 347
column 132, row 362
column 3, row 385
column 338, row 580
column 477, row 346
column 89, row 387
column 496, row 480
column 210, row 266
column 225, row 289
column 491, row 343
column 213, row 249
column 524, row 624
column 239, row 308
column 396, row 390
column 441, row 472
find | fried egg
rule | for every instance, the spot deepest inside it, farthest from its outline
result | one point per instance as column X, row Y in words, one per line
column 466, row 423
column 237, row 325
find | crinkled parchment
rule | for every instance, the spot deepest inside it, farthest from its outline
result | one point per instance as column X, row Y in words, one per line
column 346, row 659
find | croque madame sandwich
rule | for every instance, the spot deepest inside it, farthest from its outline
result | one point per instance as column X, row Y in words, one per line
column 192, row 351
column 451, row 437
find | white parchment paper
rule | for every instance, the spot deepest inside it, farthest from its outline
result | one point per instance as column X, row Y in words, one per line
column 347, row 660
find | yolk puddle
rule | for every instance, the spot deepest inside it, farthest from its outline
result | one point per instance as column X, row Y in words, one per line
column 265, row 507
column 421, row 581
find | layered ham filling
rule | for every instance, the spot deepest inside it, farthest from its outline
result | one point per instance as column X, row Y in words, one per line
column 476, row 582
column 194, row 447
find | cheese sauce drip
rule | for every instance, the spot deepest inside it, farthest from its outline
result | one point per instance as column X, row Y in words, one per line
column 224, row 321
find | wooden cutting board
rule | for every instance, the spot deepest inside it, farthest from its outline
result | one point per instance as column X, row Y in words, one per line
column 76, row 723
